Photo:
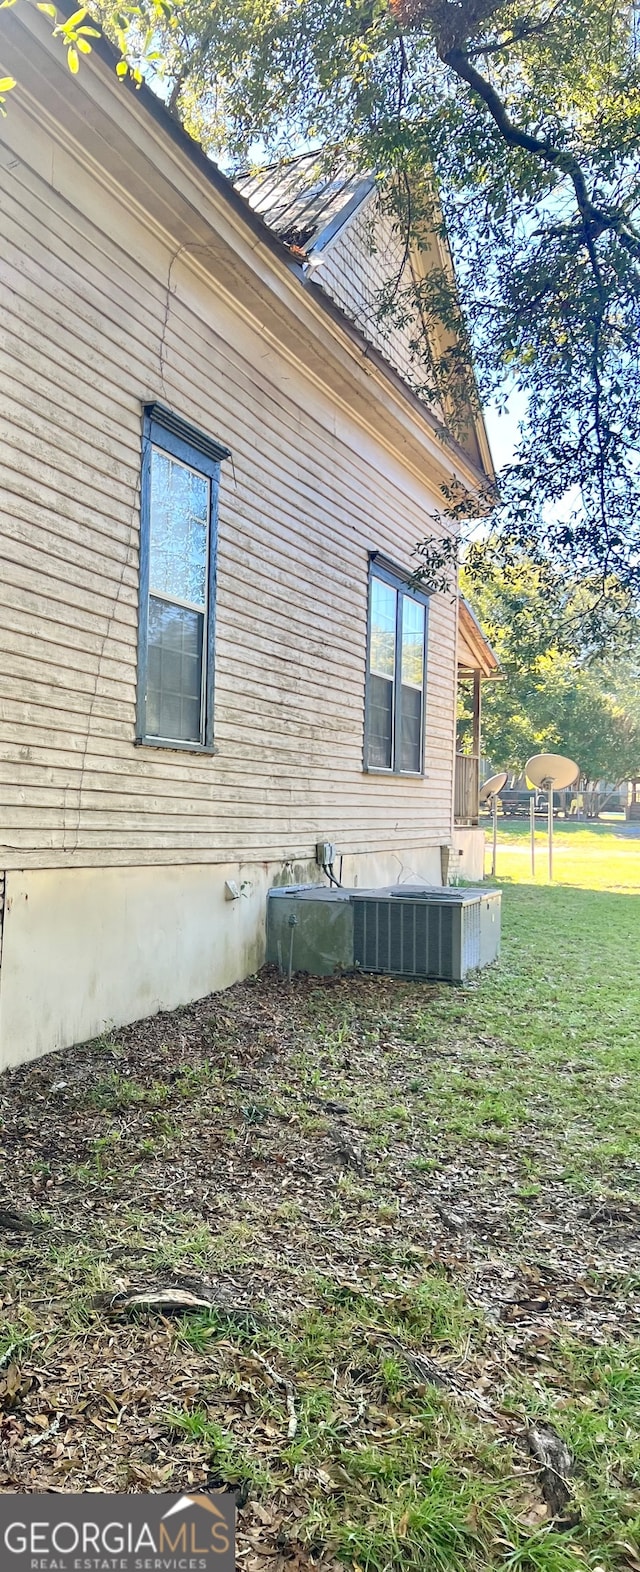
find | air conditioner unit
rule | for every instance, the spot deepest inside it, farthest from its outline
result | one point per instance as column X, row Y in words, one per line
column 310, row 929
column 400, row 931
column 426, row 933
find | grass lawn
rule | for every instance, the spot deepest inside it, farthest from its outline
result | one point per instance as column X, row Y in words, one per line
column 416, row 1213
column 598, row 856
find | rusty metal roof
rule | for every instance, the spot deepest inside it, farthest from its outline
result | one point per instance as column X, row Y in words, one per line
column 305, row 202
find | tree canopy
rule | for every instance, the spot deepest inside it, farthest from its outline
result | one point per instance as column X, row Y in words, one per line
column 513, row 128
column 554, row 695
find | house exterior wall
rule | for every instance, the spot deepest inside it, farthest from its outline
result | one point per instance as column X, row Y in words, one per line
column 88, row 949
column 368, row 255
column 115, row 855
column 468, row 855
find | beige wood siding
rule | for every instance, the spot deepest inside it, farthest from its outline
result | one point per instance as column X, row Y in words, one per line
column 99, row 313
column 366, row 265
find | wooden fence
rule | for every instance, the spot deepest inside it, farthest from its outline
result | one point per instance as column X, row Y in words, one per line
column 467, row 788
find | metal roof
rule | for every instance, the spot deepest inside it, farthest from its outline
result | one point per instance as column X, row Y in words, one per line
column 303, row 202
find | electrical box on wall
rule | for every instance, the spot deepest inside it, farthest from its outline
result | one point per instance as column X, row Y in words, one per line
column 325, row 853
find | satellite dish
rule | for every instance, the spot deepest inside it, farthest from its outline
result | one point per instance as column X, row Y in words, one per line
column 492, row 788
column 489, row 793
column 555, row 773
column 551, row 769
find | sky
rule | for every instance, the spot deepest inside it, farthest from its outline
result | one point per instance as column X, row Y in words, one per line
column 502, row 429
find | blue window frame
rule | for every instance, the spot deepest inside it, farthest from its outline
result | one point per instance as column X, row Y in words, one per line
column 396, row 672
column 178, row 535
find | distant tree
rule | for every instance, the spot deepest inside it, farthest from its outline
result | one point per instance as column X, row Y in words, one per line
column 554, row 696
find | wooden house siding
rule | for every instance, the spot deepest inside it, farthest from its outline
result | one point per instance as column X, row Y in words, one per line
column 368, row 255
column 100, row 313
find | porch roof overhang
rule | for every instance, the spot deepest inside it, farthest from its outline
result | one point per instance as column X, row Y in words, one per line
column 474, row 650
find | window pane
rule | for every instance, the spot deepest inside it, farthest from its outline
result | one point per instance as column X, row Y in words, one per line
column 412, row 642
column 380, row 723
column 174, row 673
column 382, row 658
column 179, row 530
column 410, row 750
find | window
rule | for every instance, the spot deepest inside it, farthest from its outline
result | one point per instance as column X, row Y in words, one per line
column 180, row 474
column 394, row 724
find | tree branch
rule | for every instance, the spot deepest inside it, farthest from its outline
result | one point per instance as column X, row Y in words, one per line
column 520, row 33
column 598, row 219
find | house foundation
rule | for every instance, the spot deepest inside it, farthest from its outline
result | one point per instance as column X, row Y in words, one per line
column 467, row 859
column 86, row 950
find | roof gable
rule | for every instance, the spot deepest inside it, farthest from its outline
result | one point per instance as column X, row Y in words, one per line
column 334, row 220
column 306, row 206
column 370, row 263
column 340, row 225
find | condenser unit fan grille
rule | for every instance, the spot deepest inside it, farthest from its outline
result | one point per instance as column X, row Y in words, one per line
column 416, row 938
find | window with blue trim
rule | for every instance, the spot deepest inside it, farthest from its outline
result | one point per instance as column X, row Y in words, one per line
column 180, row 479
column 396, row 674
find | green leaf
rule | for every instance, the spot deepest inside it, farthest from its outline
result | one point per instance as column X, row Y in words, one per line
column 6, row 83
column 122, row 68
column 49, row 10
column 73, row 61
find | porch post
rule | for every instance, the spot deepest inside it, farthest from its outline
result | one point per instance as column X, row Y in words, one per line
column 477, row 710
column 477, row 713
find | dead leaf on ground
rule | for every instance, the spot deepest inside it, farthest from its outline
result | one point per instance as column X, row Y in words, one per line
column 556, row 1465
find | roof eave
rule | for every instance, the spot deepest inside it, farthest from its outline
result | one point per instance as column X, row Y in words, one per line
column 452, row 453
column 485, row 658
